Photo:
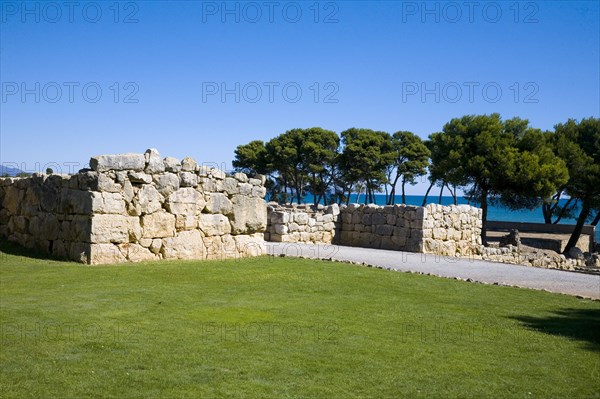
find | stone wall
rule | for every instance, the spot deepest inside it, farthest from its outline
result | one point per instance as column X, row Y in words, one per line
column 444, row 230
column 136, row 207
column 302, row 223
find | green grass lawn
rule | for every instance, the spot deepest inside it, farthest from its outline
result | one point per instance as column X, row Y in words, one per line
column 284, row 327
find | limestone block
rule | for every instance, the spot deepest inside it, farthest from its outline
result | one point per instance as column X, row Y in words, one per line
column 149, row 199
column 154, row 164
column 103, row 163
column 185, row 201
column 328, row 218
column 186, row 245
column 378, row 219
column 186, row 222
column 241, row 177
column 114, row 229
column 249, row 215
column 75, row 202
column 49, row 227
column 106, row 183
column 250, row 245
column 208, row 185
column 230, row 186
column 388, row 243
column 293, row 227
column 166, row 183
column 333, row 209
column 12, row 199
column 255, row 182
column 280, row 217
column 245, row 188
column 172, row 165
column 136, row 253
column 384, row 230
column 188, row 179
column 217, row 173
column 105, row 254
column 219, row 203
column 188, row 164
column 139, row 177
column 439, row 233
column 214, row 225
column 281, row 229
column 156, row 245
column 128, row 192
column 108, row 203
column 158, row 225
column 366, row 219
column 301, row 218
column 329, row 226
column 60, row 250
column 258, row 191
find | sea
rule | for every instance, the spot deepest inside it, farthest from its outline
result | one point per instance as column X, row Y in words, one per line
column 495, row 212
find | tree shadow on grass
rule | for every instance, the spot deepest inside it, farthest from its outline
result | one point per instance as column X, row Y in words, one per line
column 577, row 324
column 12, row 248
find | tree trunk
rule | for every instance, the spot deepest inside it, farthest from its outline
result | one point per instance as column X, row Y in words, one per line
column 562, row 211
column 547, row 212
column 484, row 209
column 454, row 194
column 403, row 193
column 596, row 219
column 427, row 194
column 585, row 211
column 441, row 192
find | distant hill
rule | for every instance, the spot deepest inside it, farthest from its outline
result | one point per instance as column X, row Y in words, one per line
column 7, row 170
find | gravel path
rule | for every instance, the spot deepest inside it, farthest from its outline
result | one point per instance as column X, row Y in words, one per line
column 571, row 283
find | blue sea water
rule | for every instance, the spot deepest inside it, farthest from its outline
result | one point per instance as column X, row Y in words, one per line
column 495, row 212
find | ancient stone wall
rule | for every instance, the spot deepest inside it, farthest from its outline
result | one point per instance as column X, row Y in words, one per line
column 302, row 223
column 444, row 230
column 135, row 207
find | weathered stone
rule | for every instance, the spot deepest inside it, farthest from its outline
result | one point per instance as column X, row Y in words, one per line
column 149, row 199
column 186, row 245
column 188, row 179
column 230, row 186
column 136, row 253
column 105, row 254
column 158, row 225
column 217, row 173
column 76, row 202
column 249, row 215
column 154, row 164
column 219, row 203
column 241, row 177
column 214, row 225
column 107, row 203
column 172, row 165
column 114, row 229
column 139, row 177
column 166, row 183
column 575, row 253
column 185, row 201
column 188, row 164
column 103, row 163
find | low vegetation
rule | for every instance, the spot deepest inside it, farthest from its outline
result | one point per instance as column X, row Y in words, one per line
column 283, row 327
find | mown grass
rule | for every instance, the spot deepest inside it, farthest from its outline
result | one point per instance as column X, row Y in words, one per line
column 284, row 327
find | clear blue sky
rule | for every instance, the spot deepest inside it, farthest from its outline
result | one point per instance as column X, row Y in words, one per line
column 369, row 60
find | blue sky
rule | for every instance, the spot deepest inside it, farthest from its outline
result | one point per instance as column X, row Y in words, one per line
column 162, row 66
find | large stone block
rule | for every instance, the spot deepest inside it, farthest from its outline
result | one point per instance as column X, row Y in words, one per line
column 13, row 198
column 186, row 245
column 105, row 254
column 108, row 203
column 166, row 183
column 75, row 202
column 214, row 225
column 185, row 201
column 249, row 215
column 149, row 199
column 114, row 229
column 158, row 225
column 137, row 253
column 219, row 203
column 250, row 245
column 103, row 163
column 154, row 164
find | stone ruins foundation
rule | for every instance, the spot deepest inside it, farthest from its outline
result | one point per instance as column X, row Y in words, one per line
column 138, row 207
column 135, row 207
